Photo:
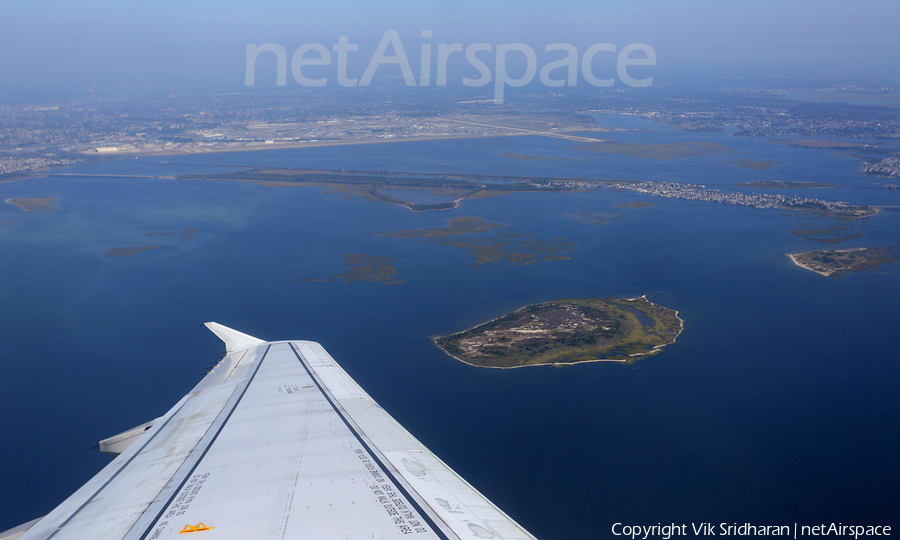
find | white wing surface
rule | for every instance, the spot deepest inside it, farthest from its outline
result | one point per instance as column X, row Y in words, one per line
column 277, row 441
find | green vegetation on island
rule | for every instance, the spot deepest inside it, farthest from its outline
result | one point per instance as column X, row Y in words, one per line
column 828, row 144
column 839, row 262
column 43, row 204
column 832, row 223
column 837, row 234
column 596, row 218
column 365, row 267
column 457, row 226
column 407, row 189
column 516, row 247
column 421, row 192
column 569, row 331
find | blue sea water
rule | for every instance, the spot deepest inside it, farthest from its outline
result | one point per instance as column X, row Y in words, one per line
column 777, row 405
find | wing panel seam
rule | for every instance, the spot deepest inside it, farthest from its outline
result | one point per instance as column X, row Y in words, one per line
column 356, row 433
column 199, row 459
column 115, row 474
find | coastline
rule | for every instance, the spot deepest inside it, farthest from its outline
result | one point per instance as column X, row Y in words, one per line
column 793, row 257
column 288, row 146
column 655, row 350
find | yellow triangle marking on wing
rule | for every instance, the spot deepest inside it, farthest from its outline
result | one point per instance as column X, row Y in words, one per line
column 199, row 527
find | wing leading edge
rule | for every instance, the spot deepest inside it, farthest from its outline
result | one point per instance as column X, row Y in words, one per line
column 277, row 441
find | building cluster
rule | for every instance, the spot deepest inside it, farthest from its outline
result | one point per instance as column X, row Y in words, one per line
column 13, row 164
column 259, row 119
column 671, row 190
column 888, row 167
column 696, row 192
column 204, row 120
column 229, row 122
column 756, row 112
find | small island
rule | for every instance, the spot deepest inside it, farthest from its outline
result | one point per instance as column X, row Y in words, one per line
column 565, row 332
column 365, row 267
column 41, row 204
column 836, row 263
column 634, row 205
column 514, row 246
column 596, row 218
column 827, row 144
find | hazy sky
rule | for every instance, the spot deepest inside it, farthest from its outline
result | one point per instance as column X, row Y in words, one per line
column 56, row 44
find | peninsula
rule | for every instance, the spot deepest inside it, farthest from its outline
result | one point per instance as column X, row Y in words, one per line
column 568, row 331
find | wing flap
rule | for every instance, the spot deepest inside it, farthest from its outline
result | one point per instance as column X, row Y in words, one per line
column 459, row 505
column 119, row 443
column 109, row 505
column 276, row 441
column 16, row 532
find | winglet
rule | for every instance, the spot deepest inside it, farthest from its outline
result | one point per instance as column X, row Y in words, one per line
column 234, row 340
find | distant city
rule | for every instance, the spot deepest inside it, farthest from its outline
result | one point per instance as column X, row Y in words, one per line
column 43, row 136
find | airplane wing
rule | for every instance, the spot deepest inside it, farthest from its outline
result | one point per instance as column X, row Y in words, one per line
column 277, row 441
